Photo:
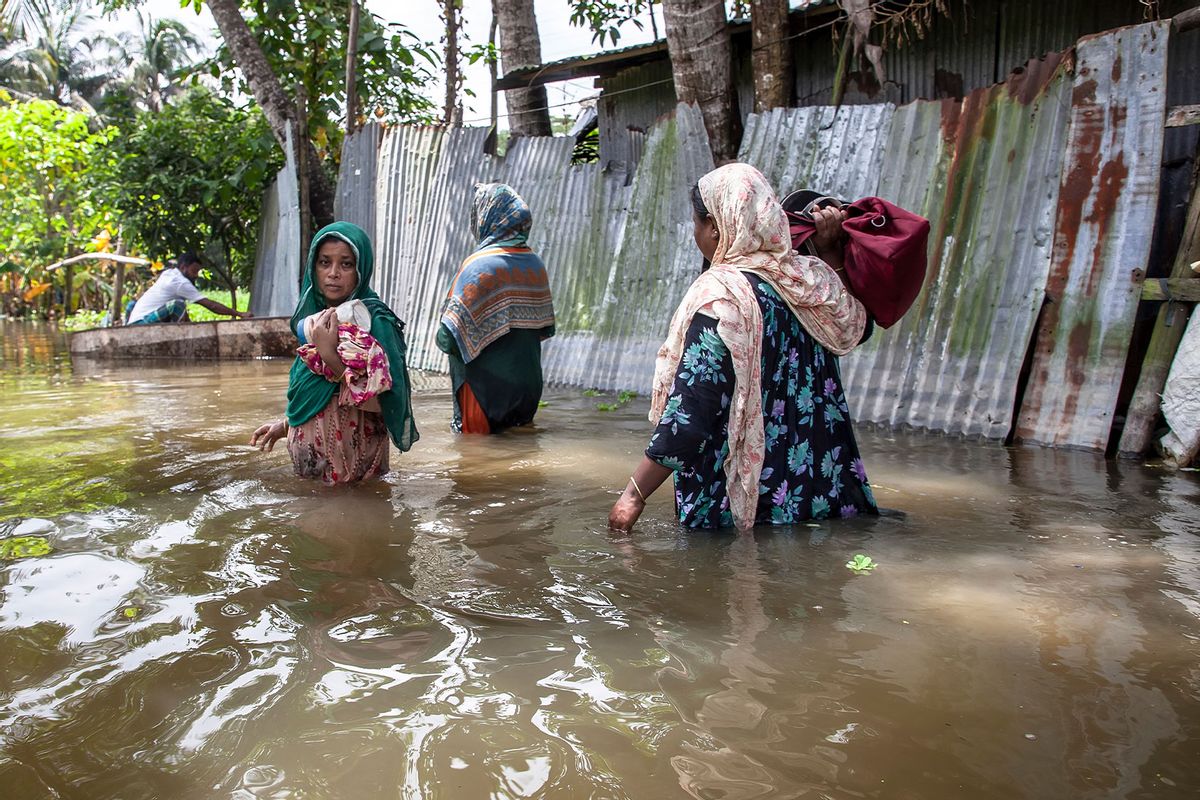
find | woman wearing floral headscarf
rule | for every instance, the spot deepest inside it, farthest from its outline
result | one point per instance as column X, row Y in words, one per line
column 497, row 314
column 748, row 401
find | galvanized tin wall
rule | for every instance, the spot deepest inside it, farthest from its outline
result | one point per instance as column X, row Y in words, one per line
column 275, row 290
column 632, row 101
column 1109, row 195
column 359, row 156
column 618, row 252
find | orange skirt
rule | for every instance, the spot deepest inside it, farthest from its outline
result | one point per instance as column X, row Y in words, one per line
column 473, row 418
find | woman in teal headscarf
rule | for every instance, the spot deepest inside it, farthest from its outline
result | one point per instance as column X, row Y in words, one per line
column 348, row 389
column 497, row 314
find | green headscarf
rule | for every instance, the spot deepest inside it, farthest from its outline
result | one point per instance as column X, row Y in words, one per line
column 309, row 393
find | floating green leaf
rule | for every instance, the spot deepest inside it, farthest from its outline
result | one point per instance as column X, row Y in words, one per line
column 591, row 392
column 542, row 404
column 607, row 406
column 625, row 396
column 131, row 612
column 860, row 564
column 24, row 547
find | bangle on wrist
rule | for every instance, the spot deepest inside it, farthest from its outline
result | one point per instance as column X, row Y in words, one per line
column 637, row 489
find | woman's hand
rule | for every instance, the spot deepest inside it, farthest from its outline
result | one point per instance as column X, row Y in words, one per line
column 625, row 511
column 325, row 330
column 829, row 239
column 265, row 436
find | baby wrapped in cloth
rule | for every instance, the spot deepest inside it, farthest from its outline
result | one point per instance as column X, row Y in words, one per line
column 367, row 371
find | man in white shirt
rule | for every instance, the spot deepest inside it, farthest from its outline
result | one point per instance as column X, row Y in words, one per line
column 167, row 299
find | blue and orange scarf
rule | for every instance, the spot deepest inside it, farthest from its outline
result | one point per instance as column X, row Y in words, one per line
column 502, row 285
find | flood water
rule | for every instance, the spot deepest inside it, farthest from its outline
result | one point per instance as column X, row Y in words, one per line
column 209, row 626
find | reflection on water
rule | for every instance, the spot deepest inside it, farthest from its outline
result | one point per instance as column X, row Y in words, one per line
column 209, row 626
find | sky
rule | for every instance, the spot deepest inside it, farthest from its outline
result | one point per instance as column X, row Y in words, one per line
column 559, row 40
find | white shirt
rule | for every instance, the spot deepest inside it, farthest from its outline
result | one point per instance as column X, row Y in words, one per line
column 171, row 285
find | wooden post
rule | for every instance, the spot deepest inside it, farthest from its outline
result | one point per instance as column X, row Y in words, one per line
column 68, row 290
column 1168, row 331
column 118, row 307
column 351, row 70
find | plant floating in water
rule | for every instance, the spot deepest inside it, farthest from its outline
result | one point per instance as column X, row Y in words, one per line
column 860, row 564
column 24, row 547
column 625, row 396
column 542, row 404
column 592, row 392
column 131, row 612
column 607, row 406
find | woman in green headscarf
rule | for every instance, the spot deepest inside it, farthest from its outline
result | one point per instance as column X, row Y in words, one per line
column 349, row 388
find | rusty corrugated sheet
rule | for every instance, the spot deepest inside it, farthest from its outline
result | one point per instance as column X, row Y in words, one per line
column 1106, row 213
column 985, row 173
column 619, row 253
column 275, row 287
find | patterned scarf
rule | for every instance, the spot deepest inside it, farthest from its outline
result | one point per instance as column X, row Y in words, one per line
column 502, row 285
column 753, row 238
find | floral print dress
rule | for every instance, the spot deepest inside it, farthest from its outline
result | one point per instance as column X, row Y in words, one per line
column 347, row 440
column 811, row 466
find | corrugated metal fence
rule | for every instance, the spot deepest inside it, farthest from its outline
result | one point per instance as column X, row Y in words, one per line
column 275, row 289
column 1041, row 193
column 617, row 251
column 1041, row 189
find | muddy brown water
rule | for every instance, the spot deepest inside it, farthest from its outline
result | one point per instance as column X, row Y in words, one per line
column 210, row 626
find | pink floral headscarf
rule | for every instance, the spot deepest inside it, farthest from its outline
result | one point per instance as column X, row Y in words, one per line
column 753, row 238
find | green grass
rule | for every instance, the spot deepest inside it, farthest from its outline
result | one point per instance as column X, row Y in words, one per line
column 202, row 314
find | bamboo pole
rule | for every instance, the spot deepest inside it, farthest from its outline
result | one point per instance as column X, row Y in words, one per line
column 118, row 312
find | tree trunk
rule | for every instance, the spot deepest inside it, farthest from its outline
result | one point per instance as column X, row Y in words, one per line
column 495, row 115
column 451, row 9
column 520, row 47
column 701, row 65
column 272, row 99
column 351, row 70
column 771, row 56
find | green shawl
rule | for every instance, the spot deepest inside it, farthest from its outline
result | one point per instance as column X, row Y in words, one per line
column 309, row 393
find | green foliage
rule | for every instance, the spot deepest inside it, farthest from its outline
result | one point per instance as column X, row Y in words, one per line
column 861, row 564
column 198, row 313
column 192, row 177
column 605, row 18
column 51, row 208
column 592, row 393
column 624, row 397
column 305, row 44
column 587, row 149
column 24, row 547
column 83, row 319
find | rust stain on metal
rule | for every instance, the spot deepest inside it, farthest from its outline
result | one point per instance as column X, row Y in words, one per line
column 951, row 112
column 1028, row 83
column 1104, row 208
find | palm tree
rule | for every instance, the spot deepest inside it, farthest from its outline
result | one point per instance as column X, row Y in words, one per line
column 52, row 58
column 18, row 15
column 161, row 55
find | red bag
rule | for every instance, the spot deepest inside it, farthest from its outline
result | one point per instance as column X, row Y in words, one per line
column 886, row 253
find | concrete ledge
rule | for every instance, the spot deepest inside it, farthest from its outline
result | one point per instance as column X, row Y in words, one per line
column 236, row 339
